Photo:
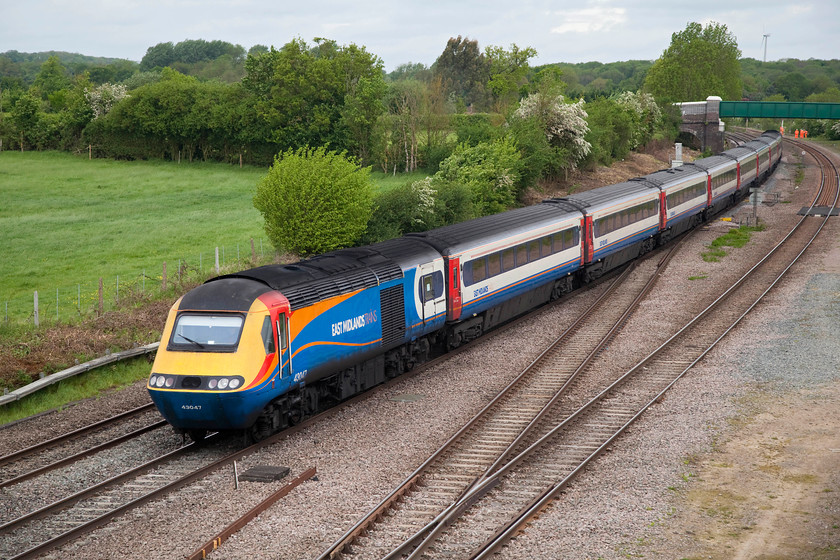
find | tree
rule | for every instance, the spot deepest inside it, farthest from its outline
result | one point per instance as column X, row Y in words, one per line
column 52, row 78
column 315, row 96
column 161, row 55
column 701, row 61
column 508, row 71
column 564, row 123
column 314, row 200
column 464, row 70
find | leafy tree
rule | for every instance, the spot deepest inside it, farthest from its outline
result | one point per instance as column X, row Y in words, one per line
column 830, row 95
column 464, row 70
column 320, row 95
column 25, row 117
column 159, row 56
column 508, row 71
column 611, row 130
column 52, row 78
column 418, row 206
column 410, row 71
column 701, row 61
column 314, row 200
column 405, row 102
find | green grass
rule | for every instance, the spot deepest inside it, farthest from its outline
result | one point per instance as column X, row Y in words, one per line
column 83, row 386
column 65, row 221
column 737, row 237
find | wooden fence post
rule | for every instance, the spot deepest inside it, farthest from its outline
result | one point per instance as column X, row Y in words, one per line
column 217, row 260
column 163, row 278
column 253, row 253
column 37, row 318
column 101, row 297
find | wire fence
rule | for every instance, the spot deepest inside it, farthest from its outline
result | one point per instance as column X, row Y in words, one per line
column 98, row 296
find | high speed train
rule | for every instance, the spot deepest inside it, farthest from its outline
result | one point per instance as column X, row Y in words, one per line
column 263, row 348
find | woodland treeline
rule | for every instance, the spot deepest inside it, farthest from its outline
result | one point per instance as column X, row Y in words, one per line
column 212, row 100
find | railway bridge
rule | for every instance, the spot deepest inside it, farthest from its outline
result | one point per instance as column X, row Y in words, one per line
column 701, row 119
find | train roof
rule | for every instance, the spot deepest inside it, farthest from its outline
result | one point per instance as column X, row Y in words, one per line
column 712, row 162
column 666, row 177
column 757, row 145
column 740, row 152
column 487, row 229
column 335, row 273
column 609, row 195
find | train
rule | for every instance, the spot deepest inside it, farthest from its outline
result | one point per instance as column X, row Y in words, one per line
column 259, row 350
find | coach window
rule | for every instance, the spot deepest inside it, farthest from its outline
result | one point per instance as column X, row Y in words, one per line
column 546, row 246
column 268, row 336
column 533, row 250
column 475, row 271
column 508, row 262
column 521, row 255
column 494, row 265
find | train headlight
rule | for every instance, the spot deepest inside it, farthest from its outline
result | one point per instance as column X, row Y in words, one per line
column 170, row 381
column 213, row 383
column 223, row 383
column 234, row 383
column 152, row 380
column 160, row 381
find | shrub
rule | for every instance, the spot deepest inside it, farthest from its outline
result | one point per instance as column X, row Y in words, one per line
column 314, row 201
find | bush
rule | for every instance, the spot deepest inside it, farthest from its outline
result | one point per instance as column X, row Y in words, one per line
column 473, row 129
column 418, row 206
column 314, row 201
column 491, row 170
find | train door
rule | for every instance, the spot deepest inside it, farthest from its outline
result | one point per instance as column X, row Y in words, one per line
column 663, row 212
column 588, row 240
column 453, row 288
column 284, row 356
column 430, row 291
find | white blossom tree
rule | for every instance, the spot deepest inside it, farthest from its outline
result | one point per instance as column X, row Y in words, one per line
column 564, row 123
column 648, row 115
column 102, row 98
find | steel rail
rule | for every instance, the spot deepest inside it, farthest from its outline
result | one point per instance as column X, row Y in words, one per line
column 70, row 435
column 83, row 454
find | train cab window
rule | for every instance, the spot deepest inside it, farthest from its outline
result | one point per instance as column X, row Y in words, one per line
column 206, row 333
column 267, row 336
column 508, row 261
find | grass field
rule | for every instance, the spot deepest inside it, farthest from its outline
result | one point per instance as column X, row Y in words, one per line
column 66, row 221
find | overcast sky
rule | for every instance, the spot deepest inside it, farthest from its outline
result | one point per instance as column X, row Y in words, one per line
column 412, row 31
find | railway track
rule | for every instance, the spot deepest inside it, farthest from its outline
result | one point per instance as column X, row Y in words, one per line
column 67, row 448
column 502, row 500
column 497, row 429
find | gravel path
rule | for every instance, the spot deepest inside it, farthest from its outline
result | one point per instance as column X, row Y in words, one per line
column 625, row 503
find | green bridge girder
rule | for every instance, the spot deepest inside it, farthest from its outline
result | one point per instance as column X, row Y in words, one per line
column 779, row 110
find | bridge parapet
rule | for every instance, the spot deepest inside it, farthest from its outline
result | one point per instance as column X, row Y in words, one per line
column 701, row 119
